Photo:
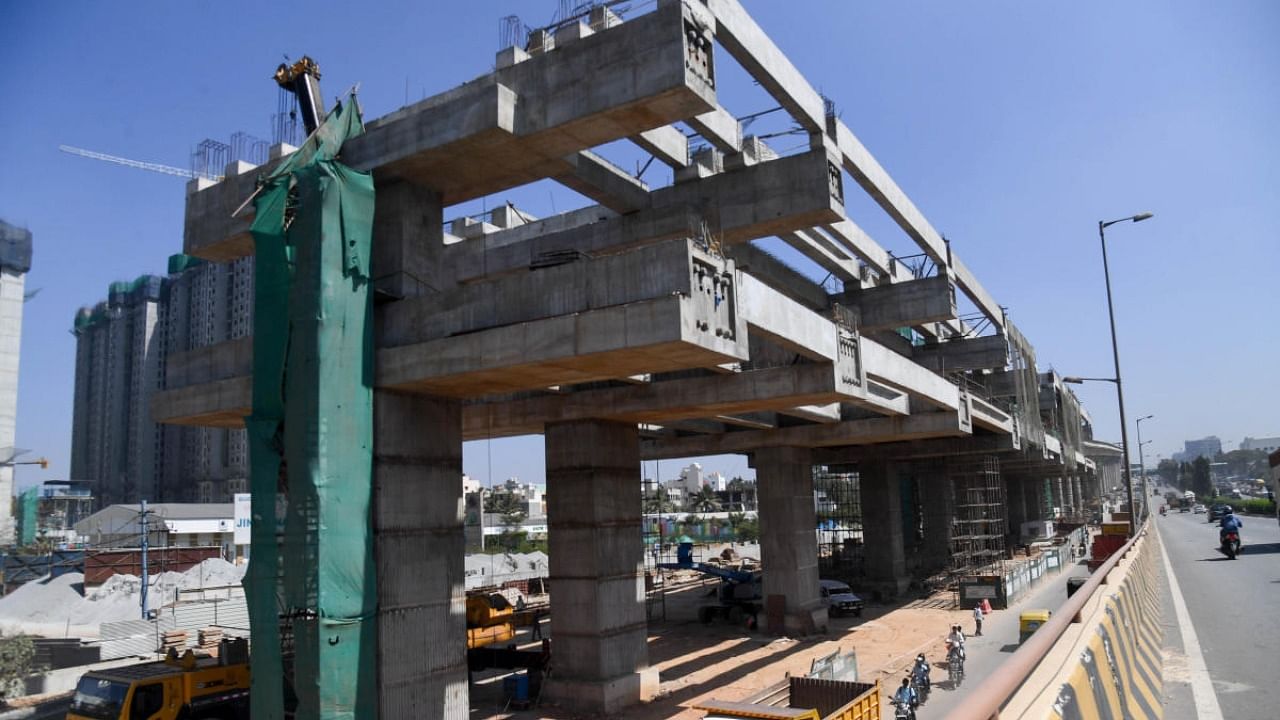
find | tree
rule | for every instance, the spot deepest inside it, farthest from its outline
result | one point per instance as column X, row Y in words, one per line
column 1201, row 483
column 658, row 502
column 704, row 500
column 17, row 656
column 748, row 531
column 1168, row 471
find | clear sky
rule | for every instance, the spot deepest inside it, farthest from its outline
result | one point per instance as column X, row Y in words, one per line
column 1014, row 126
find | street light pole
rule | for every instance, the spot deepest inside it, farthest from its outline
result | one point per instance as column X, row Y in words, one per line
column 1115, row 352
column 1142, row 465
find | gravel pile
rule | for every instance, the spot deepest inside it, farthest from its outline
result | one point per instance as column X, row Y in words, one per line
column 54, row 607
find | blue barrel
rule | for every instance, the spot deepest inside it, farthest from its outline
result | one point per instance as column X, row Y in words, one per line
column 516, row 686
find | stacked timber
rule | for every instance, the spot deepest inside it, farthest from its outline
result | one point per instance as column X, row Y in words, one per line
column 209, row 639
column 173, row 639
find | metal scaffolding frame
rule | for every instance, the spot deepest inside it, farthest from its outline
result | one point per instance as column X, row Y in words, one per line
column 838, row 496
column 978, row 530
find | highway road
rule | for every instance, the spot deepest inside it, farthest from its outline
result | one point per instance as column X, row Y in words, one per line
column 1232, row 608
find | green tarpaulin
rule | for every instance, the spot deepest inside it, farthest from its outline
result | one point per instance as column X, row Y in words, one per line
column 311, row 434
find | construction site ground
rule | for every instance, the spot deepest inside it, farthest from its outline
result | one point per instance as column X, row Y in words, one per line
column 699, row 662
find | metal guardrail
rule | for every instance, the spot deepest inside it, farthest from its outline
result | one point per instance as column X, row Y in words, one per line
column 985, row 701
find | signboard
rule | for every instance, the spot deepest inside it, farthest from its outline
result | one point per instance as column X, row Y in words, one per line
column 243, row 518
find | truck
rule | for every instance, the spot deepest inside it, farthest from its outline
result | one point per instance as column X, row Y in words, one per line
column 802, row 698
column 191, row 687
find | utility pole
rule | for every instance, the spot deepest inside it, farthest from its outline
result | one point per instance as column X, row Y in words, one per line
column 143, row 525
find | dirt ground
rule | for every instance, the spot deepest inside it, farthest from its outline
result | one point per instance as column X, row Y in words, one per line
column 699, row 662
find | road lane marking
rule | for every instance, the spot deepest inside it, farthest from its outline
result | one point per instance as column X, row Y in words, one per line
column 1202, row 691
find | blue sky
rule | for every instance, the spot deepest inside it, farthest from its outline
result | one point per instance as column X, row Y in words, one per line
column 1014, row 126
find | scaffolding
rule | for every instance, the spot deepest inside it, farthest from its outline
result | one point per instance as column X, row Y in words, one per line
column 654, row 502
column 978, row 530
column 838, row 498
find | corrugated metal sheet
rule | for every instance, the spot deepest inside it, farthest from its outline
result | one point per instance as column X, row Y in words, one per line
column 142, row 637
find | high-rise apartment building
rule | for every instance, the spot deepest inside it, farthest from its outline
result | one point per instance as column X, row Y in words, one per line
column 122, row 347
column 15, row 261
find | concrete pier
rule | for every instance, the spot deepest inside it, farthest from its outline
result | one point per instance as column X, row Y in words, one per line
column 419, row 548
column 597, row 566
column 882, row 524
column 784, row 486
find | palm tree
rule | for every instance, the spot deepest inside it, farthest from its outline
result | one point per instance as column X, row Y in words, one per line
column 659, row 502
column 704, row 500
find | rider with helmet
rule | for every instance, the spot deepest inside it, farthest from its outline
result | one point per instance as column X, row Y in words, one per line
column 906, row 698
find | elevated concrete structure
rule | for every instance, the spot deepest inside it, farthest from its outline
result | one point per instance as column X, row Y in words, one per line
column 647, row 325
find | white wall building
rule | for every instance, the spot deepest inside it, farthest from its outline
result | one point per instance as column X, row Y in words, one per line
column 1265, row 444
column 15, row 261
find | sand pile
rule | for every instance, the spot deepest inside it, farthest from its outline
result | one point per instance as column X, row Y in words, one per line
column 57, row 606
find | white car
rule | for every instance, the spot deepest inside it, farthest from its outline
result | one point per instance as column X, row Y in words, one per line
column 839, row 598
column 1198, row 509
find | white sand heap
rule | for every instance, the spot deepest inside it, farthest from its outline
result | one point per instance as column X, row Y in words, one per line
column 54, row 607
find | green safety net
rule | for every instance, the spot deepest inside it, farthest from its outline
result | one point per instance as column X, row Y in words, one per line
column 29, row 516
column 180, row 262
column 311, row 435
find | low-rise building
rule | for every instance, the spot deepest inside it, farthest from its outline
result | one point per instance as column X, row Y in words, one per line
column 168, row 524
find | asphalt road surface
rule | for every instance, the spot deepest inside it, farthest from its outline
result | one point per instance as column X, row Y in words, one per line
column 1232, row 608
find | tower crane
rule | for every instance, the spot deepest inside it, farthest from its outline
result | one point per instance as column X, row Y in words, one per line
column 153, row 167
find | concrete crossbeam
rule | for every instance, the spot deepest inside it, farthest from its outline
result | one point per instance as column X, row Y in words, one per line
column 979, row 353
column 507, row 128
column 769, row 269
column 784, row 321
column 904, row 304
column 767, row 199
column 220, row 403
column 849, row 432
column 815, row 247
column 672, row 333
column 675, row 267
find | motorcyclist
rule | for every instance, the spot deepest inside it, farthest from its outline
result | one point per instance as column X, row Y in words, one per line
column 920, row 672
column 1228, row 523
column 906, row 698
column 956, row 640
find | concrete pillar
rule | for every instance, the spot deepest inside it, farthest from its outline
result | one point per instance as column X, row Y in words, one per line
column 419, row 548
column 597, row 567
column 882, row 527
column 937, row 498
column 1015, row 493
column 1034, row 493
column 1068, row 496
column 1082, row 503
column 788, row 545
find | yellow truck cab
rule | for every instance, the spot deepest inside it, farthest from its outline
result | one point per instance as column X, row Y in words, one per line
column 186, row 688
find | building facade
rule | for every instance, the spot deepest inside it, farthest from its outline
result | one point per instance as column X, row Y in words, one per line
column 1265, row 444
column 122, row 347
column 15, row 261
column 1207, row 447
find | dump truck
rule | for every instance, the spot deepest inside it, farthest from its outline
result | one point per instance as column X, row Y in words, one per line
column 802, row 698
column 195, row 687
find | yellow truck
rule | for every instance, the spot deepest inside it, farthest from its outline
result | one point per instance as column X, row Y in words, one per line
column 803, row 698
column 191, row 687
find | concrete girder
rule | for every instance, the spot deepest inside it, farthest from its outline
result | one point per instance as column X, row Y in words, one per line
column 507, row 128
column 813, row 246
column 896, row 371
column 990, row 417
column 979, row 353
column 666, row 143
column 877, row 183
column 664, row 402
column 719, row 128
column 917, row 449
column 774, row 272
column 592, row 176
column 738, row 32
column 784, row 321
column 848, row 432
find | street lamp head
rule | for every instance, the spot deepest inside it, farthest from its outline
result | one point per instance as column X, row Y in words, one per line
column 1143, row 216
column 1145, row 417
column 1073, row 380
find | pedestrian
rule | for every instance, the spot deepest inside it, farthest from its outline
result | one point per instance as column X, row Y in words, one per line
column 537, row 626
column 977, row 620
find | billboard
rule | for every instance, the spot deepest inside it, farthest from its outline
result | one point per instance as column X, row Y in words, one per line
column 243, row 517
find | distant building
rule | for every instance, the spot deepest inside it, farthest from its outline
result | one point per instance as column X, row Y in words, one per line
column 1266, row 444
column 15, row 261
column 123, row 346
column 168, row 524
column 1108, row 459
column 693, row 478
column 1208, row 448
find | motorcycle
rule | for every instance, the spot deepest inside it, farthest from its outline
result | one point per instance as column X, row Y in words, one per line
column 920, row 681
column 1163, row 510
column 955, row 664
column 1231, row 544
column 902, row 710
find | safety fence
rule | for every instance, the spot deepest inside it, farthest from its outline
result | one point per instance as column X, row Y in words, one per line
column 1099, row 657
